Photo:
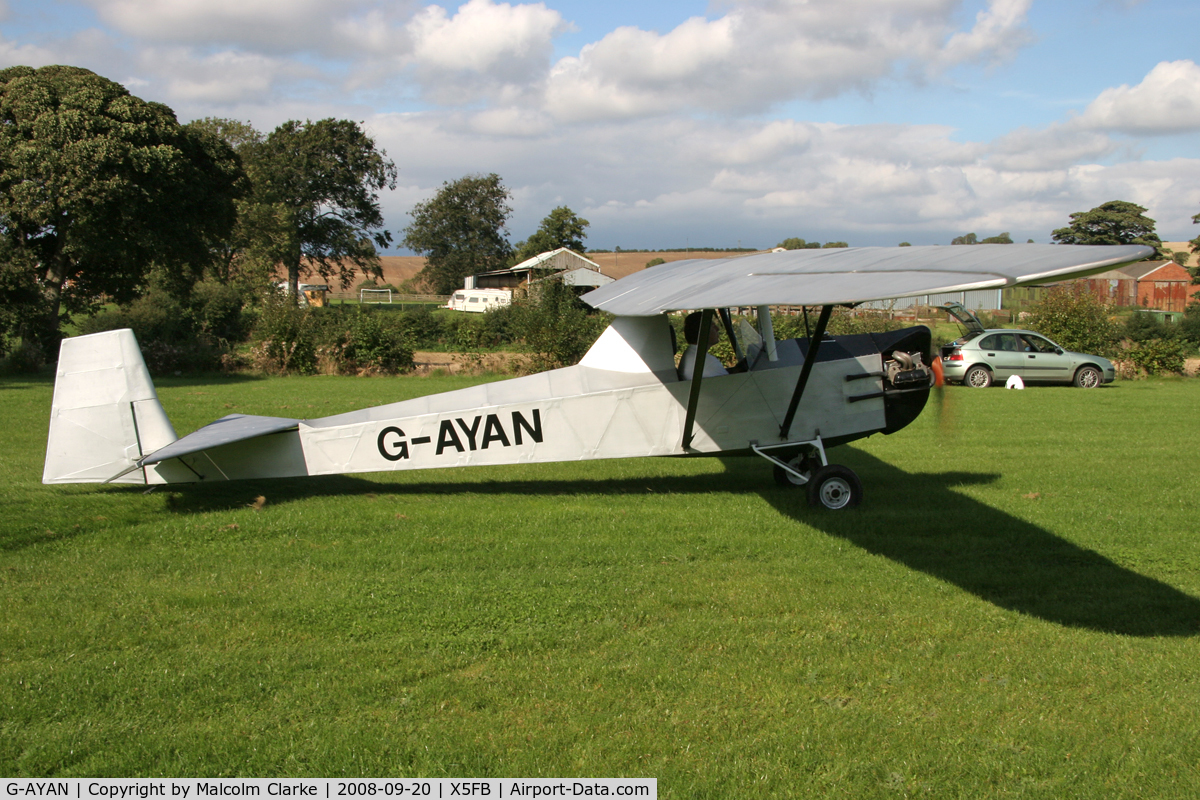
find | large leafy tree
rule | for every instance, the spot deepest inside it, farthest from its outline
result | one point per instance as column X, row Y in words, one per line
column 461, row 230
column 1114, row 222
column 96, row 188
column 315, row 203
column 562, row 227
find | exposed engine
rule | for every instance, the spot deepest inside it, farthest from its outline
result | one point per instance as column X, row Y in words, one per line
column 906, row 370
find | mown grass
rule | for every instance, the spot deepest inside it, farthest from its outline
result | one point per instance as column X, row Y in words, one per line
column 1012, row 612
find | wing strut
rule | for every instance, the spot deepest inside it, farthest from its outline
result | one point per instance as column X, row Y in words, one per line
column 727, row 322
column 814, row 344
column 697, row 373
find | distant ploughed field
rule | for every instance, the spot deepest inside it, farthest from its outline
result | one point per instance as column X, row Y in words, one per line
column 397, row 269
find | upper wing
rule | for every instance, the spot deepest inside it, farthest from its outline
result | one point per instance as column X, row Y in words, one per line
column 849, row 275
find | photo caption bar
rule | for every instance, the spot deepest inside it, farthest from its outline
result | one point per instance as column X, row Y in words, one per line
column 329, row 788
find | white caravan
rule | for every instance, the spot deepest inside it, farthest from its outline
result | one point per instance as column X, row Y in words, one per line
column 479, row 300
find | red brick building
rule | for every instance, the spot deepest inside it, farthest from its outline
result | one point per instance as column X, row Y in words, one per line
column 1161, row 285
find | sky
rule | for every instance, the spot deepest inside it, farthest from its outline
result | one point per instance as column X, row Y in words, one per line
column 690, row 124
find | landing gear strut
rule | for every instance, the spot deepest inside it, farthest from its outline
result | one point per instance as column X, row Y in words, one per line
column 830, row 486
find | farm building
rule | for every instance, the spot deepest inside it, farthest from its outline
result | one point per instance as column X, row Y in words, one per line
column 977, row 300
column 1158, row 285
column 575, row 269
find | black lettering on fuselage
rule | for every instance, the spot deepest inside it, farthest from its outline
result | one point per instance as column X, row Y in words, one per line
column 493, row 431
column 393, row 446
column 382, row 443
column 448, row 438
column 534, row 431
column 470, row 432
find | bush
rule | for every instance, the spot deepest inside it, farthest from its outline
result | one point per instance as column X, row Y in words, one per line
column 335, row 340
column 166, row 332
column 218, row 311
column 362, row 342
column 842, row 322
column 1156, row 356
column 1076, row 320
column 556, row 326
column 1189, row 326
column 22, row 359
column 285, row 338
column 1142, row 327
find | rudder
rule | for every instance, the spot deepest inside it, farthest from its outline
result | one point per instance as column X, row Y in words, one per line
column 105, row 413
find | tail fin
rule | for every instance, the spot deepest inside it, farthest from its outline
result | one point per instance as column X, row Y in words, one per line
column 105, row 415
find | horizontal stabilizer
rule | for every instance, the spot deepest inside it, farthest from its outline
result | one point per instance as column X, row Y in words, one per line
column 226, row 430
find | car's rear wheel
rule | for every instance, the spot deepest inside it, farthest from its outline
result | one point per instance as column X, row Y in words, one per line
column 978, row 377
column 1088, row 378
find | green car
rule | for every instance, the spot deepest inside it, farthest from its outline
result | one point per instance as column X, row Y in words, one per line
column 982, row 357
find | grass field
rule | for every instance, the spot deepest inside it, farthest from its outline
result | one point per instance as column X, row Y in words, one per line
column 1012, row 612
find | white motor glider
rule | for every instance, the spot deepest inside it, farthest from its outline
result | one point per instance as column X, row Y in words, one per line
column 792, row 400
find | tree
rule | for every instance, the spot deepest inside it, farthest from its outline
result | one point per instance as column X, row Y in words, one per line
column 561, row 228
column 796, row 243
column 558, row 328
column 97, row 185
column 1195, row 243
column 461, row 231
column 971, row 238
column 1076, row 319
column 316, row 199
column 1114, row 222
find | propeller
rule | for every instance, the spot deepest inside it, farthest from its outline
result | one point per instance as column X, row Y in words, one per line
column 937, row 393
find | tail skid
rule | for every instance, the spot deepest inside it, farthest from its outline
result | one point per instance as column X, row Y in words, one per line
column 105, row 414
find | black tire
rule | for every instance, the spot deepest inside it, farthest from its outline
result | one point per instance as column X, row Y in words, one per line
column 1088, row 377
column 806, row 465
column 978, row 377
column 834, row 487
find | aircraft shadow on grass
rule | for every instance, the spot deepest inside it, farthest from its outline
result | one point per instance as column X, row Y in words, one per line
column 914, row 519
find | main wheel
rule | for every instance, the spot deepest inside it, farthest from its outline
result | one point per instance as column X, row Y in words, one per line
column 978, row 377
column 1088, row 378
column 805, row 465
column 834, row 487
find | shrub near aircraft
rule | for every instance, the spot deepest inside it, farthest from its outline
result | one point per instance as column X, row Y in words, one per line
column 789, row 401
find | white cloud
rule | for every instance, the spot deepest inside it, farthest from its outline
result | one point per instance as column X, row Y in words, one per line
column 485, row 50
column 1166, row 101
column 90, row 48
column 484, row 36
column 511, row 122
column 1056, row 147
column 638, row 132
column 295, row 26
column 682, row 180
column 998, row 33
column 764, row 52
column 227, row 77
column 13, row 54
